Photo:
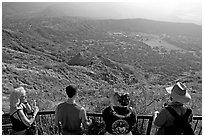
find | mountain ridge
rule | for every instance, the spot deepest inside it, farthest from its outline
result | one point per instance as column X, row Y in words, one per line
column 36, row 54
column 53, row 9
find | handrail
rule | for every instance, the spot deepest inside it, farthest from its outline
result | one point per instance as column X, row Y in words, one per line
column 142, row 120
column 99, row 115
column 197, row 117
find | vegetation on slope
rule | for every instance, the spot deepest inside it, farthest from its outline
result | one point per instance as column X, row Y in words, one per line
column 47, row 54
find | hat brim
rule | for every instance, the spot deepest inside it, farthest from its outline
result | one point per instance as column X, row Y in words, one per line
column 182, row 99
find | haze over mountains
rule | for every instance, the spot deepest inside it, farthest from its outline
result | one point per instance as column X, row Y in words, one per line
column 96, row 11
column 44, row 49
column 103, row 10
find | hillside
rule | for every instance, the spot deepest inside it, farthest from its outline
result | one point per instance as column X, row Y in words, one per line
column 46, row 54
column 151, row 27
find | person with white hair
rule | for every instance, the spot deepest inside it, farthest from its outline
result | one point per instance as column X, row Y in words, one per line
column 19, row 110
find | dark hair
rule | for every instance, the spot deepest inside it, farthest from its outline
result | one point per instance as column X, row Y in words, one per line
column 71, row 90
column 123, row 99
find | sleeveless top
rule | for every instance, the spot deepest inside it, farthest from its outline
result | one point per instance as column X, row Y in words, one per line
column 118, row 121
column 18, row 125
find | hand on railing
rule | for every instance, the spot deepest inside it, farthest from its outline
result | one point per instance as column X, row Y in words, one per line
column 155, row 115
column 59, row 128
column 89, row 122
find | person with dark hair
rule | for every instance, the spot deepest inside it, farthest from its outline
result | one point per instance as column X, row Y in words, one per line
column 119, row 117
column 174, row 118
column 71, row 116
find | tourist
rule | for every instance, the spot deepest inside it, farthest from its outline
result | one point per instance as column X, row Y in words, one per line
column 119, row 117
column 71, row 116
column 19, row 110
column 165, row 119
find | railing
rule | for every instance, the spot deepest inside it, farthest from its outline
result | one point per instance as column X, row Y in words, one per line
column 45, row 124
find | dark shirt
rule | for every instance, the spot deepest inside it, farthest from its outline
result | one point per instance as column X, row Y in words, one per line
column 165, row 119
column 118, row 121
column 18, row 125
column 70, row 117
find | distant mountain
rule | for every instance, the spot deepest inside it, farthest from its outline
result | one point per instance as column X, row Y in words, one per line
column 95, row 11
column 22, row 9
column 80, row 9
column 151, row 26
column 45, row 54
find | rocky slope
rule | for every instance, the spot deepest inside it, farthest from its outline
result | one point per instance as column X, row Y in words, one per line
column 46, row 54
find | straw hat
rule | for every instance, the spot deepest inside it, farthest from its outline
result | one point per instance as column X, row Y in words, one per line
column 179, row 93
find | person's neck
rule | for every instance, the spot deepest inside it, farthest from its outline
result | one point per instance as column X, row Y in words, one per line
column 70, row 101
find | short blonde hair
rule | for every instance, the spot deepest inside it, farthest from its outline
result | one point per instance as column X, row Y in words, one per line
column 15, row 98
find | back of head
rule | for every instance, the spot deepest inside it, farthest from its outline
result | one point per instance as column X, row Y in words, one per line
column 122, row 98
column 15, row 98
column 71, row 90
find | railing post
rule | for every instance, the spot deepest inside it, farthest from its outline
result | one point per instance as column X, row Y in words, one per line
column 7, row 126
column 149, row 127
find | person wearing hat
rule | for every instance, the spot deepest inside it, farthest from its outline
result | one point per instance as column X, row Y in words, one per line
column 178, row 97
column 119, row 117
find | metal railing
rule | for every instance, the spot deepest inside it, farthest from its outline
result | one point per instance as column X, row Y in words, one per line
column 45, row 124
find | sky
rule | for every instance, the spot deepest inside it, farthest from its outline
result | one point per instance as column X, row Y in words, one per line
column 187, row 11
column 166, row 10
